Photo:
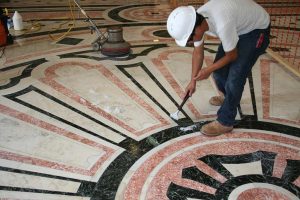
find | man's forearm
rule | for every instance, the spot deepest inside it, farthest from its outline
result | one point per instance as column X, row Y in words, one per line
column 197, row 62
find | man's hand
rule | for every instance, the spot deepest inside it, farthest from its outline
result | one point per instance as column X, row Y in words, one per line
column 204, row 73
column 191, row 88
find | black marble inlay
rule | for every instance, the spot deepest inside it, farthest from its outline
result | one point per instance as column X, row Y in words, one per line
column 114, row 13
column 162, row 33
column 86, row 189
column 209, row 50
column 147, row 49
column 292, row 171
column 252, row 93
column 108, row 184
column 177, row 192
column 193, row 173
column 216, row 161
column 25, row 73
column 19, row 189
column 19, row 171
column 251, row 123
column 70, row 41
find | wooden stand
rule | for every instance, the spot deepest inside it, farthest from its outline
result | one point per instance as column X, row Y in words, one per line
column 282, row 61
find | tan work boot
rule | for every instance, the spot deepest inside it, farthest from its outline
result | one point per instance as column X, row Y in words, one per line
column 216, row 100
column 215, row 128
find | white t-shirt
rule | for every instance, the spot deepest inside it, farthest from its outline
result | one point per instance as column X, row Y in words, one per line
column 227, row 19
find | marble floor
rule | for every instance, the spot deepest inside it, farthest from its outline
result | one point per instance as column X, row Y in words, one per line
column 78, row 125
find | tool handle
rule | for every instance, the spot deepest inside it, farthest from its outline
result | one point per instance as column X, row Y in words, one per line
column 184, row 100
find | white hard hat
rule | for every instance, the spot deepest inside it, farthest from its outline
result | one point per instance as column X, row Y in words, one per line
column 180, row 24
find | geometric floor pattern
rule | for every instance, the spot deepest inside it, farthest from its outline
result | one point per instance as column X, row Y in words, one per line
column 78, row 125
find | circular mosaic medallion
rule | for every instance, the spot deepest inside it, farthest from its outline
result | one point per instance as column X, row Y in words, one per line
column 240, row 165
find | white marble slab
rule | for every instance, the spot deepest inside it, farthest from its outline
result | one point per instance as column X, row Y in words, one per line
column 37, row 182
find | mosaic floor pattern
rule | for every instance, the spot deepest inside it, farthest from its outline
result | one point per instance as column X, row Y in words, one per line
column 78, row 125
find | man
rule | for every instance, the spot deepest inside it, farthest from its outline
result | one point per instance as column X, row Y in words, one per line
column 243, row 28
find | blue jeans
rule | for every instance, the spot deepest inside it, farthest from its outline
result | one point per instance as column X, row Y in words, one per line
column 231, row 78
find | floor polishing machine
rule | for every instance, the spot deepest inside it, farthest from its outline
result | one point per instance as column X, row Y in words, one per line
column 110, row 43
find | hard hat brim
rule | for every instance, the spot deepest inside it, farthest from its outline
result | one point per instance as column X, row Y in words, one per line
column 183, row 42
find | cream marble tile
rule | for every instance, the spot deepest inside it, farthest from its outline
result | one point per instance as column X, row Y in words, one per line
column 144, row 34
column 24, row 48
column 246, row 101
column 244, row 168
column 20, row 138
column 46, row 104
column 35, row 182
column 146, row 82
column 56, row 123
column 97, row 89
column 58, row 172
column 257, row 82
column 285, row 94
column 81, row 162
column 37, row 196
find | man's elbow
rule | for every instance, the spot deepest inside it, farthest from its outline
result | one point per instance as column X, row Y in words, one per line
column 232, row 55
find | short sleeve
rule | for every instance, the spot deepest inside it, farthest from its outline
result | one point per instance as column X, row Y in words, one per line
column 198, row 43
column 228, row 36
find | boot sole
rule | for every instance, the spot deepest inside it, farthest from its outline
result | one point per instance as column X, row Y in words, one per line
column 213, row 135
